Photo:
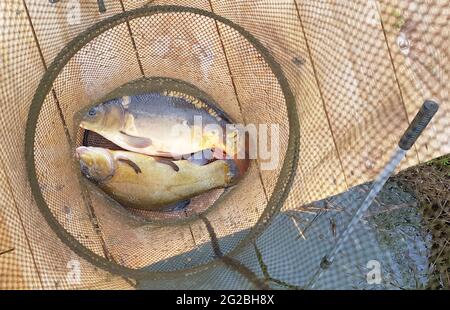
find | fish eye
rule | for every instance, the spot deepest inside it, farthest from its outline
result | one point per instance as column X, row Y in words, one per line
column 92, row 112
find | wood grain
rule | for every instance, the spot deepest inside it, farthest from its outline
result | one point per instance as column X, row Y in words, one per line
column 21, row 70
column 418, row 36
column 358, row 84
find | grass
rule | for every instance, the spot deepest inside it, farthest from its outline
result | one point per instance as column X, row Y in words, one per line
column 430, row 184
column 441, row 164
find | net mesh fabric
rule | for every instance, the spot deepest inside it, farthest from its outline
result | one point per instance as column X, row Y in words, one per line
column 341, row 80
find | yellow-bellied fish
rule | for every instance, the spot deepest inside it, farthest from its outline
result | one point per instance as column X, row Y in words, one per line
column 170, row 124
column 145, row 182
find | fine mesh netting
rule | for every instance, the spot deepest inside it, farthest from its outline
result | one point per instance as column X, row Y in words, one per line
column 340, row 80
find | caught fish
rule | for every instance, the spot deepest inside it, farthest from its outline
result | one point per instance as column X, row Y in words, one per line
column 150, row 183
column 171, row 124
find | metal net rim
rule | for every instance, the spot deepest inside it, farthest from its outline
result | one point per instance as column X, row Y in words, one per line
column 286, row 175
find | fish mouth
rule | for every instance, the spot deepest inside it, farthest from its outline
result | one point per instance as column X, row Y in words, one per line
column 85, row 170
column 80, row 151
column 92, row 171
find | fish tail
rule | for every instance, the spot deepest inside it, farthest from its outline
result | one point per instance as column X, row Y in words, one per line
column 233, row 172
column 240, row 164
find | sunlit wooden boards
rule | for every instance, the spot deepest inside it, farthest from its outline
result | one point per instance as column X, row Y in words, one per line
column 277, row 26
column 56, row 24
column 187, row 47
column 20, row 69
column 17, row 269
column 418, row 34
column 357, row 80
column 134, row 4
column 94, row 71
column 58, row 180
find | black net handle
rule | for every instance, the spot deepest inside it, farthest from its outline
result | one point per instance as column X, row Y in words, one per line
column 419, row 123
column 101, row 5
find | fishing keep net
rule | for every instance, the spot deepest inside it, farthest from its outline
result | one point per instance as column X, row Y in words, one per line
column 334, row 85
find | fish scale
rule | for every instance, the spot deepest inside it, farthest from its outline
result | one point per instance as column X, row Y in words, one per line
column 144, row 182
column 159, row 124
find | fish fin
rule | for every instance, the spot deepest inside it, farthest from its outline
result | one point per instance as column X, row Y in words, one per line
column 126, row 100
column 129, row 124
column 169, row 155
column 238, row 166
column 206, row 156
column 168, row 162
column 233, row 172
column 131, row 163
column 218, row 153
column 138, row 142
column 199, row 158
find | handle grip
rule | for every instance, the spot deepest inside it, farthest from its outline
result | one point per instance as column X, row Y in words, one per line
column 419, row 123
column 101, row 6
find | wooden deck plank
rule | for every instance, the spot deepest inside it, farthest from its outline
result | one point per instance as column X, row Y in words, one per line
column 357, row 80
column 419, row 41
column 60, row 186
column 56, row 24
column 21, row 69
column 186, row 47
column 271, row 23
column 17, row 267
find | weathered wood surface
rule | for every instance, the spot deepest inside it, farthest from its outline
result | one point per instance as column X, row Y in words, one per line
column 275, row 25
column 356, row 78
column 44, row 262
column 359, row 71
column 56, row 24
column 418, row 35
column 57, row 176
column 17, row 268
column 185, row 47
